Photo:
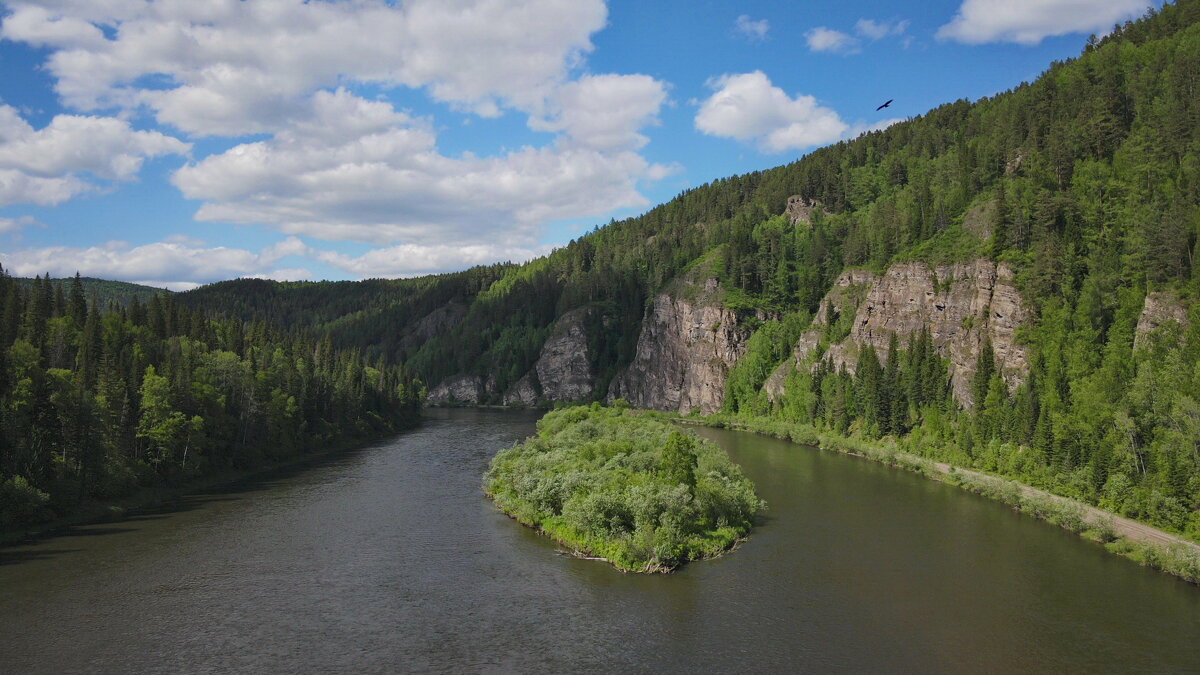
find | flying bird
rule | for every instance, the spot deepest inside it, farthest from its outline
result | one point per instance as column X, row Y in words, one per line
column 889, row 102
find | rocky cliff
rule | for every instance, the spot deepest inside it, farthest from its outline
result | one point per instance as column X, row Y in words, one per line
column 963, row 305
column 1160, row 308
column 563, row 371
column 687, row 345
column 462, row 389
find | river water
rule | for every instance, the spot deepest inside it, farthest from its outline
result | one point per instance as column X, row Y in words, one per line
column 389, row 558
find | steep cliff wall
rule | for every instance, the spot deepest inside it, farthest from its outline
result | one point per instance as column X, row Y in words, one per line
column 962, row 305
column 687, row 345
column 563, row 371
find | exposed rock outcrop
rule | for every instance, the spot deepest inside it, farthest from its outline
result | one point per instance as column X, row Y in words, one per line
column 525, row 392
column 962, row 305
column 462, row 389
column 688, row 343
column 1160, row 309
column 564, row 366
column 563, row 370
column 800, row 209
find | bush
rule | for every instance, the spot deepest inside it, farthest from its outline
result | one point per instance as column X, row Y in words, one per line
column 625, row 486
column 22, row 503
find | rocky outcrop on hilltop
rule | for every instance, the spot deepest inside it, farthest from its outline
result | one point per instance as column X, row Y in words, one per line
column 1160, row 308
column 963, row 305
column 688, row 343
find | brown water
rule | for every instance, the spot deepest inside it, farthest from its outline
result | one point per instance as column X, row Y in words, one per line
column 390, row 559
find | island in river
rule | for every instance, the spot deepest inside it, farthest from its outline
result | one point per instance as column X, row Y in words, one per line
column 626, row 487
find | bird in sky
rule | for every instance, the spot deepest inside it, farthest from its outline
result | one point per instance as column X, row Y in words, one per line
column 889, row 102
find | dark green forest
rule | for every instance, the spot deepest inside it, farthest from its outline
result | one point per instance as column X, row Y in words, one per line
column 1086, row 182
column 100, row 399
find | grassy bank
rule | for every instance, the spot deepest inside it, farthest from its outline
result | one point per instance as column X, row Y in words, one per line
column 1137, row 541
column 626, row 487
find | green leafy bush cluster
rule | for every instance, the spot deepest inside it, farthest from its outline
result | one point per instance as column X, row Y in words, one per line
column 621, row 485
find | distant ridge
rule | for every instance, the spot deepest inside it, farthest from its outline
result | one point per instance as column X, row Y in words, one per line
column 120, row 292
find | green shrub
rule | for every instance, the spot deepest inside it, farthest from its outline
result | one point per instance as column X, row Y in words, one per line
column 625, row 486
column 22, row 503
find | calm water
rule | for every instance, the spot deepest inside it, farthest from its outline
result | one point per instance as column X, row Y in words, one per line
column 390, row 559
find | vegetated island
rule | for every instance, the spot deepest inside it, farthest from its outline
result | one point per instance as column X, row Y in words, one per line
column 626, row 487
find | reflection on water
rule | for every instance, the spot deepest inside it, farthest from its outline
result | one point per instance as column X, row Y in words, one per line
column 390, row 558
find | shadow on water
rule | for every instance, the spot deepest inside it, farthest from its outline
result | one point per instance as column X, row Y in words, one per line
column 14, row 555
column 259, row 481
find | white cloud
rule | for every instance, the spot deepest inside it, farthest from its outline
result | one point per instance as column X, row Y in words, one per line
column 360, row 170
column 877, row 30
column 407, row 260
column 332, row 164
column 229, row 68
column 168, row 264
column 605, row 112
column 10, row 225
column 750, row 29
column 822, row 39
column 747, row 107
column 1028, row 22
column 42, row 166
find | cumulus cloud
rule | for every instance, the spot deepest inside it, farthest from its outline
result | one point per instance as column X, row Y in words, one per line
column 1028, row 22
column 750, row 29
column 361, row 170
column 747, row 107
column 877, row 30
column 42, row 166
column 332, row 164
column 822, row 39
column 167, row 264
column 605, row 112
column 10, row 225
column 408, row 260
column 231, row 68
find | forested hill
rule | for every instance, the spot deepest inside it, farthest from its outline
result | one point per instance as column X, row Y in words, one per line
column 99, row 400
column 1007, row 283
column 120, row 292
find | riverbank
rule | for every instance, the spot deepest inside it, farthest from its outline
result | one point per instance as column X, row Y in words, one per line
column 149, row 498
column 1128, row 538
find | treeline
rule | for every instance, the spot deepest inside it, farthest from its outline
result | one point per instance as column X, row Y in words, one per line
column 97, row 401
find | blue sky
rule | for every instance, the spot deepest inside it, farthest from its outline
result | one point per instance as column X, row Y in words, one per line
column 178, row 142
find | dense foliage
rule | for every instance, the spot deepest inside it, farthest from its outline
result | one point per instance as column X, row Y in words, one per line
column 99, row 400
column 624, row 486
column 1086, row 182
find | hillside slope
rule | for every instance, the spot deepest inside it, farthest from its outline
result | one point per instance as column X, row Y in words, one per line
column 1017, row 287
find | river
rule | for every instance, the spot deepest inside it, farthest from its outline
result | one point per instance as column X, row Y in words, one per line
column 389, row 558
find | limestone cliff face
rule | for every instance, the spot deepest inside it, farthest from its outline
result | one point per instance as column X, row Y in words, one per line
column 962, row 305
column 688, row 343
column 461, row 389
column 1160, row 309
column 563, row 371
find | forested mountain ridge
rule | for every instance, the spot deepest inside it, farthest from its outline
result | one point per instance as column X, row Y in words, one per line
column 120, row 292
column 1067, row 206
column 98, row 400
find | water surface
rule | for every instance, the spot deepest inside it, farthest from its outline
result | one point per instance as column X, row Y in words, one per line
column 389, row 558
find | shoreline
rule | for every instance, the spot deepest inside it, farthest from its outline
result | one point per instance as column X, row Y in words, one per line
column 148, row 498
column 1128, row 538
